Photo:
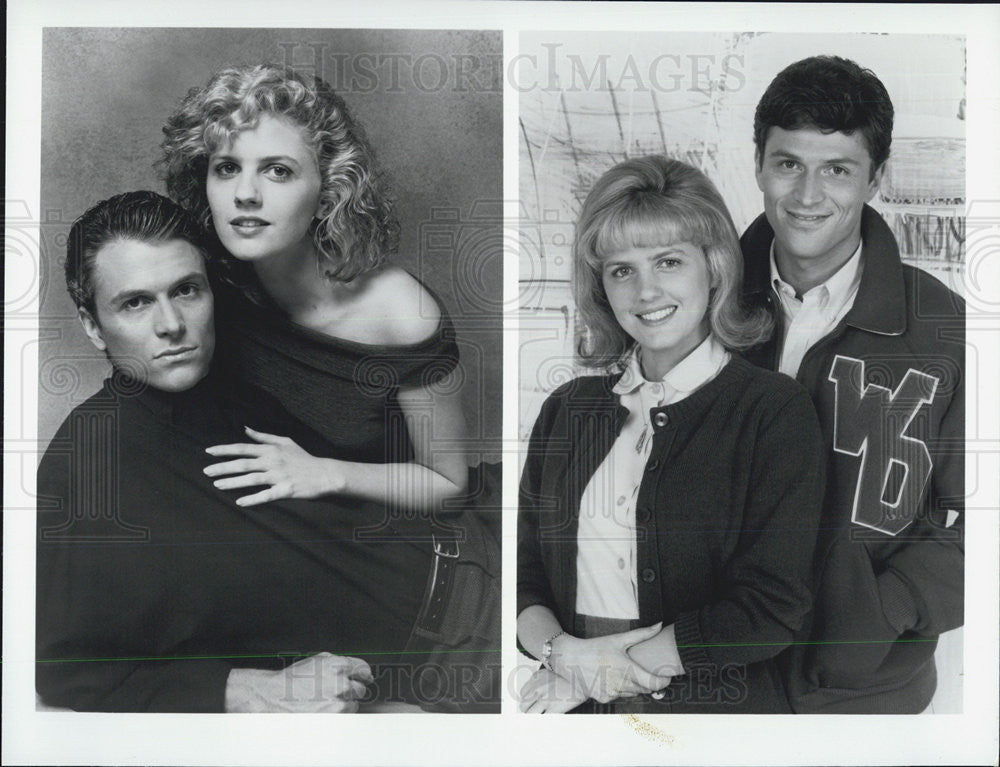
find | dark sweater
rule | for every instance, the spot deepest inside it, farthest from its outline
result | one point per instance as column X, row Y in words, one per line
column 888, row 384
column 726, row 522
column 345, row 390
column 152, row 584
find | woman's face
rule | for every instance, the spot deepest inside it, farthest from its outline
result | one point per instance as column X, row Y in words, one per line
column 659, row 296
column 264, row 191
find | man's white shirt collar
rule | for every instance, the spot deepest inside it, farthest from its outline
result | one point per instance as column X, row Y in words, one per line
column 838, row 289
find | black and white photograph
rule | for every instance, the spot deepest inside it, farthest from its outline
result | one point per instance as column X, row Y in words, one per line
column 458, row 361
column 733, row 540
column 284, row 494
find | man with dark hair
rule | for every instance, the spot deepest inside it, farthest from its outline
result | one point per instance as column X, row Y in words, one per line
column 880, row 347
column 156, row 591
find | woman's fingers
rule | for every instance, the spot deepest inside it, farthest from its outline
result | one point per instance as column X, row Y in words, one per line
column 641, row 681
column 264, row 496
column 252, row 479
column 264, row 437
column 239, row 466
column 563, row 705
column 532, row 688
column 628, row 638
column 537, row 706
column 238, row 448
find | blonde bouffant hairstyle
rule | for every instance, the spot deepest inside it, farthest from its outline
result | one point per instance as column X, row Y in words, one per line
column 357, row 228
column 648, row 202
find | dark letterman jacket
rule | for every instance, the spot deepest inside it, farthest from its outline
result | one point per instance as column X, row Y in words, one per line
column 725, row 523
column 888, row 384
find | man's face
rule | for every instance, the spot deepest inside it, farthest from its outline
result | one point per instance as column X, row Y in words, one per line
column 815, row 186
column 154, row 312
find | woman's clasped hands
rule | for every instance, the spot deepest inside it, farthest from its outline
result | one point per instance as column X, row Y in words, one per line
column 598, row 668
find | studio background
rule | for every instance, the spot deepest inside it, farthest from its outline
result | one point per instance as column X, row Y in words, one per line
column 591, row 100
column 429, row 101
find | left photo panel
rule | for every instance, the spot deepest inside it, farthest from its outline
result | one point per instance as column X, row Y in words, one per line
column 270, row 371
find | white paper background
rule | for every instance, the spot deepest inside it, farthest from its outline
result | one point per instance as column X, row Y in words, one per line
column 31, row 737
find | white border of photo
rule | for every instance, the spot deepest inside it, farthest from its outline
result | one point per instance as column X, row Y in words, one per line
column 51, row 737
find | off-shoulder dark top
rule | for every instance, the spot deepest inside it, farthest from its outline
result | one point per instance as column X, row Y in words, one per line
column 345, row 390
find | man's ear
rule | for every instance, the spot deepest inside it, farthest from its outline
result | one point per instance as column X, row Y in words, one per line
column 758, row 169
column 92, row 329
column 876, row 182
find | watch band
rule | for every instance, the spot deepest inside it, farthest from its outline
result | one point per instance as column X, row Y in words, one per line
column 547, row 649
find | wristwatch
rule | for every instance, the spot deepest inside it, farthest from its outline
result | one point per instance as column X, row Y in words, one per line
column 547, row 650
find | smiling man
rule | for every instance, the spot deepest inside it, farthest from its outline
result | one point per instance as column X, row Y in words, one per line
column 156, row 590
column 880, row 347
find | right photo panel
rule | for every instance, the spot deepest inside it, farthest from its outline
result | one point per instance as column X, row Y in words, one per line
column 742, row 372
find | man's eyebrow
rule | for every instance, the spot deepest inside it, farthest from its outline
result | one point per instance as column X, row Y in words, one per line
column 127, row 293
column 785, row 154
column 124, row 295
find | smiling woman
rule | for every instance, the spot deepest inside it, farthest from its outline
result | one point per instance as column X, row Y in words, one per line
column 644, row 583
column 659, row 295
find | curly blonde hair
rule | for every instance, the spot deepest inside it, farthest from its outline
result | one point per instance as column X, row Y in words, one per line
column 358, row 228
column 646, row 202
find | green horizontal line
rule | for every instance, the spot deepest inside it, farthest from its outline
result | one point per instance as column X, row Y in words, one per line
column 467, row 652
column 262, row 655
column 818, row 642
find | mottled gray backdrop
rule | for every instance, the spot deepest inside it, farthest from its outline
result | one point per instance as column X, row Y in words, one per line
column 431, row 103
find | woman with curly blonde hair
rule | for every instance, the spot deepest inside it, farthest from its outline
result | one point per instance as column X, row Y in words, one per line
column 274, row 165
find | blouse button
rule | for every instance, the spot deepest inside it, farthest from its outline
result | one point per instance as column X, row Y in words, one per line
column 661, row 419
column 648, row 575
column 621, row 563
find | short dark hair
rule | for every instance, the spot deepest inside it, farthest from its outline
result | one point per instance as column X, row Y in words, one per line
column 140, row 216
column 831, row 94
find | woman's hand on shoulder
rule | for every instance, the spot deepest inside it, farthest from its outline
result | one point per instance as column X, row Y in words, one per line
column 403, row 310
column 279, row 464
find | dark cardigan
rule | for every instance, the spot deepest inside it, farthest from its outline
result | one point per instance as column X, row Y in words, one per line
column 726, row 521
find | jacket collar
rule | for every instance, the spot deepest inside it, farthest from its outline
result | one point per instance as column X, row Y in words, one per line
column 880, row 306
